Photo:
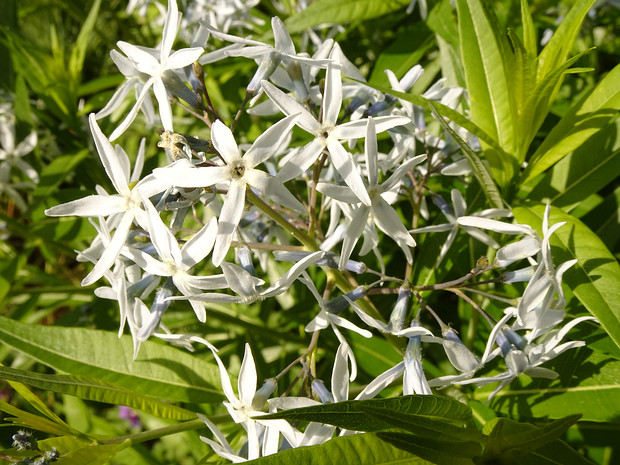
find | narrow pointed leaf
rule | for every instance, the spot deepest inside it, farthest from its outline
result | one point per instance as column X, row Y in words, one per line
column 561, row 43
column 522, row 443
column 76, row 61
column 350, row 414
column 161, row 371
column 32, row 421
column 89, row 388
column 588, row 116
column 328, row 11
column 486, row 59
column 359, row 449
column 435, row 451
column 423, row 425
column 591, row 167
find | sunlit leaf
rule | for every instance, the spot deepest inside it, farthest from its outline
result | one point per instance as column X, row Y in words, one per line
column 160, row 371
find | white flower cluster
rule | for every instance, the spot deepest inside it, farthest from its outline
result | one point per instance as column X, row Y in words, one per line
column 168, row 235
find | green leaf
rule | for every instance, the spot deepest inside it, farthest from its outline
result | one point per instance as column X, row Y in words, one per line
column 33, row 400
column 374, row 355
column 507, row 437
column 486, row 59
column 513, row 442
column 561, row 43
column 89, row 388
column 36, row 422
column 588, row 116
column 482, row 174
column 442, row 22
column 538, row 103
column 358, row 449
column 161, row 371
column 588, row 385
column 76, row 61
column 400, row 55
column 604, row 220
column 592, row 166
column 423, row 425
column 342, row 11
column 55, row 172
column 529, row 32
column 594, row 278
column 433, row 450
column 351, row 414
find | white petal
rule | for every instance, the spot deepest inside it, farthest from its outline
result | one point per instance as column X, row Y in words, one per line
column 165, row 111
column 343, row 162
column 171, row 25
column 494, row 225
column 228, row 221
column 267, row 144
column 247, row 378
column 224, row 142
column 202, row 176
column 111, row 252
column 92, row 205
column 290, row 106
column 354, row 231
column 199, row 246
column 184, row 57
column 302, row 160
column 332, row 98
column 109, row 158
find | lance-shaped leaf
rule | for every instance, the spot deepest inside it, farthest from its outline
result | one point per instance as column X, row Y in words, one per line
column 32, row 421
column 359, row 449
column 162, row 371
column 352, row 416
column 435, row 451
column 424, row 425
column 586, row 117
column 93, row 389
column 328, row 11
column 561, row 43
column 513, row 441
column 487, row 61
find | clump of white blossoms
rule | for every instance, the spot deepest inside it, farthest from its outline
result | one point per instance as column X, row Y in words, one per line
column 306, row 190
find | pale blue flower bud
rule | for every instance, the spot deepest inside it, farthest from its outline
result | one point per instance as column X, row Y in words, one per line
column 514, row 338
column 176, row 87
column 265, row 69
column 383, row 105
column 342, row 302
column 503, row 343
column 321, row 391
column 261, row 396
column 397, row 318
column 245, row 259
column 159, row 306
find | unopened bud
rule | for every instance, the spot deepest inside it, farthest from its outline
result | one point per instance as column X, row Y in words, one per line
column 321, row 391
column 261, row 396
